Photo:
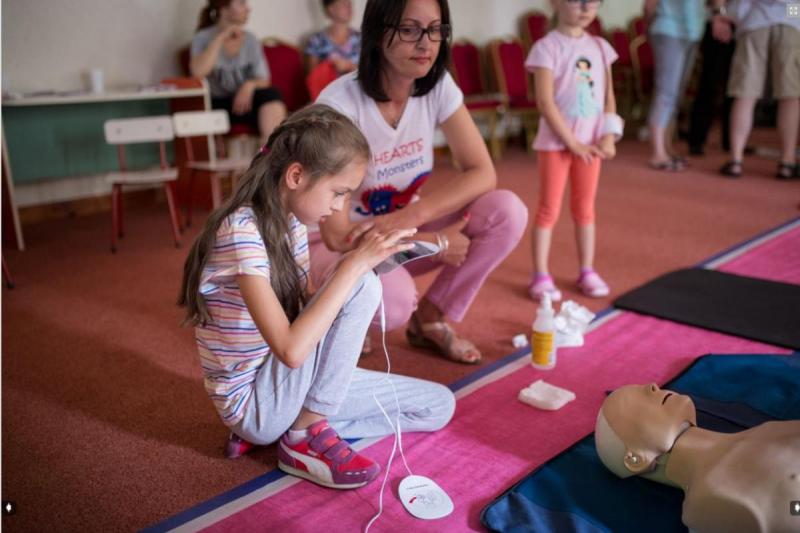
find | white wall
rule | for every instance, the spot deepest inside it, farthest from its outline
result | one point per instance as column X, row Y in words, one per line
column 50, row 44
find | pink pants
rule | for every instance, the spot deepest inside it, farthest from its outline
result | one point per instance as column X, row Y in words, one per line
column 554, row 169
column 497, row 221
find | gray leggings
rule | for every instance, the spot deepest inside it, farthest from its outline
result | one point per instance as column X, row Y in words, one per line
column 329, row 383
column 674, row 59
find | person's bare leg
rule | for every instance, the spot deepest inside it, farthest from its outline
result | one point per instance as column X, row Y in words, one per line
column 541, row 239
column 741, row 124
column 269, row 116
column 788, row 120
column 428, row 312
column 659, row 152
column 585, row 239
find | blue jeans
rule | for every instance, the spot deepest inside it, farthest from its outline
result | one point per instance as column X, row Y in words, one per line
column 674, row 59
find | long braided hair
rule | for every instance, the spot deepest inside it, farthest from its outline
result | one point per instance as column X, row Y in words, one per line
column 324, row 142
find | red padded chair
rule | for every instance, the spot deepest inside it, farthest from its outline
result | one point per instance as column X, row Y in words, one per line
column 319, row 77
column 643, row 73
column 508, row 65
column 637, row 27
column 288, row 72
column 534, row 26
column 467, row 71
column 596, row 27
column 623, row 71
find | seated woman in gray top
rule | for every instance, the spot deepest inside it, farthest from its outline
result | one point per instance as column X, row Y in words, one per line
column 732, row 481
column 233, row 61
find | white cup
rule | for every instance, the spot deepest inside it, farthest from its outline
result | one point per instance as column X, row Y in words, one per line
column 96, row 83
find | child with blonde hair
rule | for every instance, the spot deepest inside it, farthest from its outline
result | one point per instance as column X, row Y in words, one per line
column 578, row 129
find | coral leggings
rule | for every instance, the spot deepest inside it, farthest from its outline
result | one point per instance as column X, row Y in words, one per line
column 554, row 169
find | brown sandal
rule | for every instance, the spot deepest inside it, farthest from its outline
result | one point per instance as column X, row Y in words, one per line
column 439, row 337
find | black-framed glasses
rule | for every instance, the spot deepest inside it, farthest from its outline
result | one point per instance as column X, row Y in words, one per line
column 411, row 33
column 584, row 3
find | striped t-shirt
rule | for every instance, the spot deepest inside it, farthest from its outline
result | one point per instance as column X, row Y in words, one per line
column 231, row 348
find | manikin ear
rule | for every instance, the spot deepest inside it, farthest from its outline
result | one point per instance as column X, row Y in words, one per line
column 294, row 176
column 638, row 461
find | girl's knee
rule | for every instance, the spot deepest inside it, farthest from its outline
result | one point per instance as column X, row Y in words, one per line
column 368, row 291
column 546, row 217
column 583, row 217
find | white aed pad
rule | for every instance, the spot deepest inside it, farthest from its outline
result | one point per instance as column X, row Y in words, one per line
column 545, row 396
column 421, row 249
column 423, row 498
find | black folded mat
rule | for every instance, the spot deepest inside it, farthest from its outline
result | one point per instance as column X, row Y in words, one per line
column 756, row 309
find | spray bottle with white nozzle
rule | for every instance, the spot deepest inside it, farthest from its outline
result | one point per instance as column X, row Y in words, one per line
column 543, row 349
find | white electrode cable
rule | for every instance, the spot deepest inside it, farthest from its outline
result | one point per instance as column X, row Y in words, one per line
column 398, row 439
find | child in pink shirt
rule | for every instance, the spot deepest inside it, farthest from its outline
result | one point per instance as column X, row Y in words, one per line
column 578, row 129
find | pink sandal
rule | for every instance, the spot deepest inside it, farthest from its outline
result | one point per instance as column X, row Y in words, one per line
column 541, row 284
column 591, row 284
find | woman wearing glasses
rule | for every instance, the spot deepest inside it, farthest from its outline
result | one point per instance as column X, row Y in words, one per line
column 399, row 95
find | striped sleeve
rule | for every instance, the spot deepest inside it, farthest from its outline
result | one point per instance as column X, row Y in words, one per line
column 238, row 250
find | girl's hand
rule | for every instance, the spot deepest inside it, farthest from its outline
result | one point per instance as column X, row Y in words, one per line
column 457, row 243
column 607, row 147
column 585, row 151
column 398, row 219
column 243, row 101
column 375, row 247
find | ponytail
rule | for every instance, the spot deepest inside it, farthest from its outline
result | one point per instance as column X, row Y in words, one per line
column 210, row 13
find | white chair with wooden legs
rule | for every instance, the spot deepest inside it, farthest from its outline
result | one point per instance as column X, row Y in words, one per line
column 207, row 123
column 119, row 132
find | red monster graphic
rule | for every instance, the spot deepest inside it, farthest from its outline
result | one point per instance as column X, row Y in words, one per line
column 386, row 198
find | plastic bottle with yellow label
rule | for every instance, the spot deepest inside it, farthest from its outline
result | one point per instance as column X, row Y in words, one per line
column 543, row 350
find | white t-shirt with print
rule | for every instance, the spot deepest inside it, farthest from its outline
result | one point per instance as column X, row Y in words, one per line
column 402, row 158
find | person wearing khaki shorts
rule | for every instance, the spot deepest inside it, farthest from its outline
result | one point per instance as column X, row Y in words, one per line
column 767, row 39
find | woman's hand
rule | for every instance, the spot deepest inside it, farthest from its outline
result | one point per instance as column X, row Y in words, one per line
column 457, row 243
column 375, row 247
column 243, row 101
column 342, row 65
column 721, row 28
column 585, row 151
column 607, row 146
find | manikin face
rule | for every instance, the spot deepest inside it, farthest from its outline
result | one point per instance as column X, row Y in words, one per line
column 340, row 11
column 576, row 13
column 236, row 12
column 413, row 59
column 313, row 202
column 648, row 420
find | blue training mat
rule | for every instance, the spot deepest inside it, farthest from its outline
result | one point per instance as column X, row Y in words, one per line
column 575, row 492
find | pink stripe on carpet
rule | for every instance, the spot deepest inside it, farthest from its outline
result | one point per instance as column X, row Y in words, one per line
column 494, row 439
column 777, row 259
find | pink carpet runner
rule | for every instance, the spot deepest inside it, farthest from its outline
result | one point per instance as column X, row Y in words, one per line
column 494, row 440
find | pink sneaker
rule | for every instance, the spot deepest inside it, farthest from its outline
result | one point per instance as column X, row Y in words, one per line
column 591, row 284
column 543, row 283
column 324, row 458
column 237, row 446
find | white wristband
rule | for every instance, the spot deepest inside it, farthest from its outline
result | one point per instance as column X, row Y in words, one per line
column 613, row 123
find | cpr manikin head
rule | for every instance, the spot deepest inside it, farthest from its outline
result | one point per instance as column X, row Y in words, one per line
column 637, row 424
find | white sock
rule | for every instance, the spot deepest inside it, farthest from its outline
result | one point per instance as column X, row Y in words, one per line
column 296, row 435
